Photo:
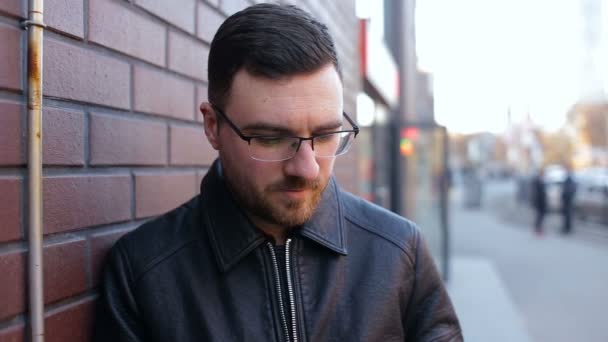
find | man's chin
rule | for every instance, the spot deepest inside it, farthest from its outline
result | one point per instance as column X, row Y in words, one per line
column 293, row 212
column 295, row 220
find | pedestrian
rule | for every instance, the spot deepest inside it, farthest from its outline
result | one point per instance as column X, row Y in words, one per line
column 539, row 201
column 272, row 249
column 568, row 193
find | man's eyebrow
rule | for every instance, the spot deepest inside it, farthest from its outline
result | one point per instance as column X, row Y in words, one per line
column 329, row 126
column 267, row 127
column 278, row 129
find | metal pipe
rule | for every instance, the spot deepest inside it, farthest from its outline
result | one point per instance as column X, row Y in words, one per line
column 35, row 26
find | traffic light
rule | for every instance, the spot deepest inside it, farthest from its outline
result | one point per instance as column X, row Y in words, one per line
column 406, row 141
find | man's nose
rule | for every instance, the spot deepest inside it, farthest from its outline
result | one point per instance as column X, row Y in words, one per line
column 303, row 164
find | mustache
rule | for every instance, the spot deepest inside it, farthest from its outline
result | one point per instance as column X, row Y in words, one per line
column 296, row 183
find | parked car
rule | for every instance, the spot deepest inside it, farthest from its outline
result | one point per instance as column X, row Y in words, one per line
column 591, row 201
column 554, row 177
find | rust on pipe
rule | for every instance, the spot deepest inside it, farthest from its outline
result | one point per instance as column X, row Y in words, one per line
column 35, row 27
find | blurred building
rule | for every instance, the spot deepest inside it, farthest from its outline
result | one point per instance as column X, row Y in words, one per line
column 376, row 106
column 525, row 150
column 420, row 175
column 402, row 152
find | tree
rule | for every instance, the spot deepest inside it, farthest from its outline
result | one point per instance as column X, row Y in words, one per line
column 591, row 122
column 558, row 148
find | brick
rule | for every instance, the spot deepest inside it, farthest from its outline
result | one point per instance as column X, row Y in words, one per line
column 161, row 93
column 62, row 137
column 189, row 146
column 75, row 73
column 10, row 208
column 65, row 270
column 118, row 27
column 156, row 194
column 12, row 286
column 65, row 16
column 73, row 202
column 188, row 56
column 10, row 55
column 73, row 322
column 209, row 21
column 179, row 13
column 12, row 134
column 232, row 6
column 13, row 334
column 201, row 96
column 100, row 245
column 14, row 7
column 119, row 141
column 64, row 275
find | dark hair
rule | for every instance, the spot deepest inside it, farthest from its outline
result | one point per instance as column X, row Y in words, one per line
column 267, row 40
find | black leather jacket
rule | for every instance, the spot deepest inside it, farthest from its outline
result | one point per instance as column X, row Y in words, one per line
column 202, row 272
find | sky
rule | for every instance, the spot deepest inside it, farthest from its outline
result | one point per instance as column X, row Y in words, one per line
column 491, row 56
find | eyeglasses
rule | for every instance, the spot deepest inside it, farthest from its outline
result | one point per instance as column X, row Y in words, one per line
column 279, row 148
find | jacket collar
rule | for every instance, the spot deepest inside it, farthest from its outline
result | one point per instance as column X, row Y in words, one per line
column 232, row 235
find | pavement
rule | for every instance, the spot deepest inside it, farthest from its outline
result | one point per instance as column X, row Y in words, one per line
column 508, row 284
column 483, row 304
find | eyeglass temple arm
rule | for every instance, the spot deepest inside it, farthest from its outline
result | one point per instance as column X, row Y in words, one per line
column 234, row 128
column 355, row 127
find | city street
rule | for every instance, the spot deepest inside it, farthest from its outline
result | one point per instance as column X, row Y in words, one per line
column 510, row 285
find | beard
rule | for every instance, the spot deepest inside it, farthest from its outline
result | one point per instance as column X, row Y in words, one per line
column 286, row 213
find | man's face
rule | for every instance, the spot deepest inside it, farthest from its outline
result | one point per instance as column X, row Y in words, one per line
column 285, row 193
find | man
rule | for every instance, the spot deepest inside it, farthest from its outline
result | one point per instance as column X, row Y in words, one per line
column 568, row 193
column 539, row 200
column 272, row 249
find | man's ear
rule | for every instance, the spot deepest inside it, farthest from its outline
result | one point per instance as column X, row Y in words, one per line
column 210, row 124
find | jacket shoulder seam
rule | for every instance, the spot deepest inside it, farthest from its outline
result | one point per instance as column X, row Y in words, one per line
column 383, row 235
column 160, row 258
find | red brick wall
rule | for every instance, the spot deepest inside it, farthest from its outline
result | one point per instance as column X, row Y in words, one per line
column 122, row 135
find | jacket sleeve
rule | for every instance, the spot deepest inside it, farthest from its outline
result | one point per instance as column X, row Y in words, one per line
column 117, row 318
column 430, row 316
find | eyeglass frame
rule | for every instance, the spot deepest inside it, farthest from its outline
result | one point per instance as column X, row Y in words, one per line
column 248, row 138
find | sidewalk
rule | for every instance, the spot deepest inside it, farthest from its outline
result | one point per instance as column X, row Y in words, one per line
column 508, row 284
column 485, row 310
column 483, row 304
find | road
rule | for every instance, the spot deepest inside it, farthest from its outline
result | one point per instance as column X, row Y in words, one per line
column 558, row 285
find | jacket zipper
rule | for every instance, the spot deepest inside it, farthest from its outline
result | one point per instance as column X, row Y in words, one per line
column 279, row 291
column 292, row 302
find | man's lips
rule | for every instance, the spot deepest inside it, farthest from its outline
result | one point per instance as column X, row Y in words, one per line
column 293, row 188
column 295, row 193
